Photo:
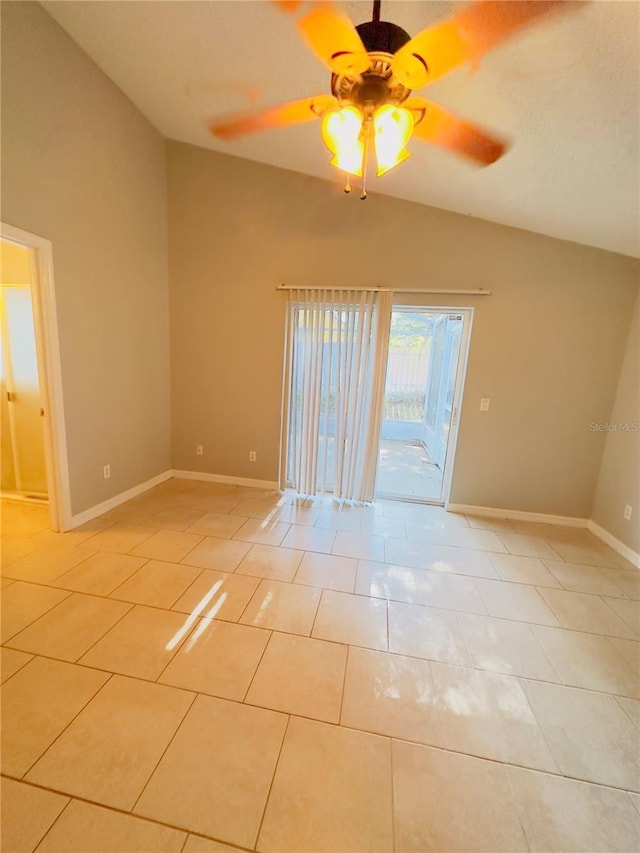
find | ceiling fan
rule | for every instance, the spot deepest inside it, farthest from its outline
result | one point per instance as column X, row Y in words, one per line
column 374, row 68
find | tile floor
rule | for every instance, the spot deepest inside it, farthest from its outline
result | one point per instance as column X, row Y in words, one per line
column 212, row 668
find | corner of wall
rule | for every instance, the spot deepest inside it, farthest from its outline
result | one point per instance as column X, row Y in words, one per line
column 618, row 483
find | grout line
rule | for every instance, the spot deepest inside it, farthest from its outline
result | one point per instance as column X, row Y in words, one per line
column 109, row 672
column 56, row 819
column 225, row 844
column 164, row 752
column 550, row 544
column 465, row 643
column 622, row 658
column 344, row 683
column 317, row 610
column 393, row 792
column 146, row 561
column 625, row 711
column 196, row 624
column 547, row 656
column 514, row 805
column 542, row 730
column 387, row 624
column 108, row 631
column 184, row 591
column 37, row 619
column 607, row 604
column 111, row 597
column 22, row 665
column 72, row 720
column 75, row 566
column 373, row 733
column 249, row 600
column 152, row 531
column 560, row 683
column 273, row 777
column 73, row 797
column 255, row 671
column 426, row 544
column 175, row 495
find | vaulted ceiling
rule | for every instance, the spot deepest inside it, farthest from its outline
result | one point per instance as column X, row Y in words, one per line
column 567, row 93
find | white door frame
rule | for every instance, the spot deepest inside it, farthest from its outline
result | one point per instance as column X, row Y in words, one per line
column 49, row 369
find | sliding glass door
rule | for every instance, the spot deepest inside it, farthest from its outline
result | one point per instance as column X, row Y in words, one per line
column 441, row 385
column 371, row 396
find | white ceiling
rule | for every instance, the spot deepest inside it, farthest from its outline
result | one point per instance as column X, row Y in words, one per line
column 567, row 93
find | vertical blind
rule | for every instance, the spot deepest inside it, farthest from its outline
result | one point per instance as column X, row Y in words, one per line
column 335, row 362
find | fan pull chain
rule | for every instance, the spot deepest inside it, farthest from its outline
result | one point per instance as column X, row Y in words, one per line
column 347, row 186
column 365, row 159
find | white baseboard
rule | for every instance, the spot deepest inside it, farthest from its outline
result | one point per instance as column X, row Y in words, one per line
column 224, row 478
column 564, row 520
column 616, row 544
column 116, row 500
column 517, row 515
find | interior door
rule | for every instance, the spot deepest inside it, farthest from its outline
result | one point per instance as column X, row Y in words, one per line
column 24, row 427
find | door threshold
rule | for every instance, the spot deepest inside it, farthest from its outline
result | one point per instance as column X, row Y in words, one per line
column 410, row 500
column 25, row 497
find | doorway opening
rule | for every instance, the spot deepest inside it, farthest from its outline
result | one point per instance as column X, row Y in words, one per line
column 33, row 445
column 423, row 388
column 24, row 471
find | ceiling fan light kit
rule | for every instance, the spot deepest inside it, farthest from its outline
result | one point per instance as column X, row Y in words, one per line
column 375, row 67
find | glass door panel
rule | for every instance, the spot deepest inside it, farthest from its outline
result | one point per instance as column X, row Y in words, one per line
column 424, row 347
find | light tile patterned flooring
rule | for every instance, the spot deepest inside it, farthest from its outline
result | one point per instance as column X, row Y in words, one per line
column 209, row 668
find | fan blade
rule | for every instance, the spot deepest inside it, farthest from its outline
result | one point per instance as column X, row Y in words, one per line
column 467, row 36
column 335, row 41
column 439, row 127
column 293, row 112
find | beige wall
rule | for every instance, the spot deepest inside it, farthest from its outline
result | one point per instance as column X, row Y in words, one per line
column 546, row 347
column 81, row 167
column 619, row 480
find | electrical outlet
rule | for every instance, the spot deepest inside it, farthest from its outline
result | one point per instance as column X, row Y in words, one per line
column 484, row 404
column 199, row 450
column 106, row 471
column 252, row 456
column 627, row 512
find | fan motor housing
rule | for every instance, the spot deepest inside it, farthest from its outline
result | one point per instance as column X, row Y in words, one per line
column 378, row 85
